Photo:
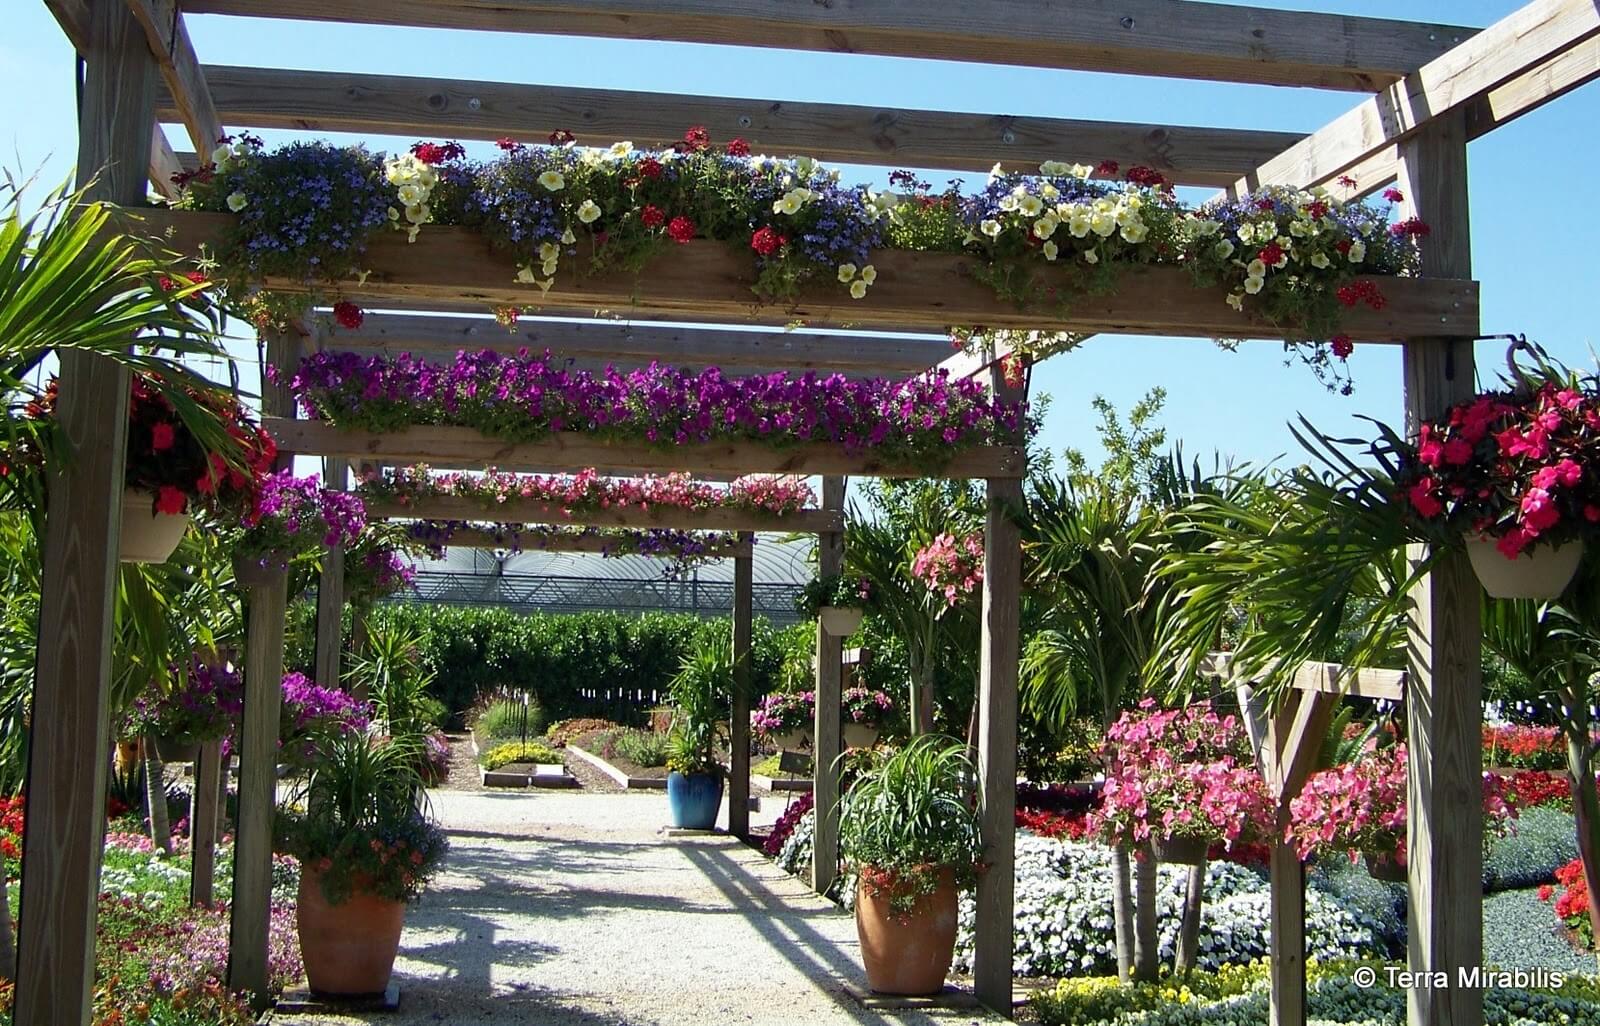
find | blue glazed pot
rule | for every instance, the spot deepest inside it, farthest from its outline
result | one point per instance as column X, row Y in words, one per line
column 694, row 799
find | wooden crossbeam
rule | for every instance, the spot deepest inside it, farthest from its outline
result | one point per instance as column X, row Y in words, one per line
column 474, row 538
column 1529, row 39
column 1330, row 678
column 526, row 511
column 569, row 452
column 188, row 96
column 711, row 281
column 1134, row 37
column 620, row 342
column 407, row 106
column 163, row 163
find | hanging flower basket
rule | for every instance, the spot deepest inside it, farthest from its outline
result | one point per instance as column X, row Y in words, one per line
column 792, row 740
column 149, row 536
column 841, row 621
column 1539, row 572
column 177, row 748
column 1178, row 850
column 254, row 571
column 1385, row 867
column 860, row 735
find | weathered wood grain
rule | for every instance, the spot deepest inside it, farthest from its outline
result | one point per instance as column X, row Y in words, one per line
column 187, row 95
column 204, row 819
column 928, row 290
column 739, row 716
column 1134, row 37
column 319, row 101
column 826, row 724
column 571, row 452
column 65, row 803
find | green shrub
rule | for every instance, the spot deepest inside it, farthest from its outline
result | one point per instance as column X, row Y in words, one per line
column 1543, row 839
column 516, row 751
column 506, row 719
column 564, row 732
column 647, row 748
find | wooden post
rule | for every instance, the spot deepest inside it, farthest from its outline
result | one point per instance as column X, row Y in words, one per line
column 825, row 732
column 739, row 763
column 997, row 731
column 1287, row 938
column 67, row 758
column 330, row 591
column 266, row 603
column 1444, row 689
column 204, row 809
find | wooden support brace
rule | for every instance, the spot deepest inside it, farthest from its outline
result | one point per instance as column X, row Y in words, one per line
column 168, row 36
column 826, row 739
column 204, row 820
column 739, row 724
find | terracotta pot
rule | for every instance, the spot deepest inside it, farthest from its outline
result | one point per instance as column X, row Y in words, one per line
column 148, row 536
column 1179, row 851
column 1540, row 572
column 841, row 621
column 907, row 953
column 1385, row 868
column 859, row 735
column 348, row 948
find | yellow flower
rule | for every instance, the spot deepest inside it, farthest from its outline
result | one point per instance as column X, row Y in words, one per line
column 410, row 195
column 1054, row 168
column 1091, row 257
column 789, row 204
column 549, row 267
column 553, row 181
column 549, row 251
column 1045, row 227
column 1103, row 223
column 1051, row 251
column 847, row 271
column 1135, row 233
column 869, row 274
column 1031, row 206
column 991, row 228
column 1049, row 191
column 1253, row 284
column 858, row 290
column 1079, row 224
column 1082, row 171
column 589, row 212
column 619, row 150
column 237, row 201
column 525, row 275
column 417, row 214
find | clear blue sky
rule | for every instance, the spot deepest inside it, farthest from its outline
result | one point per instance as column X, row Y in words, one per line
column 1535, row 220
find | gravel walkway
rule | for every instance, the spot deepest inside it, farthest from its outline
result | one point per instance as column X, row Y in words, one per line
column 574, row 909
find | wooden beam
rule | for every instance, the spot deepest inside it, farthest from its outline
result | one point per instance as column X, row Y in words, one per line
column 525, row 511
column 1388, row 685
column 329, row 657
column 827, row 726
column 475, row 538
column 318, row 101
column 163, row 164
column 933, row 290
column 204, row 819
column 1300, row 742
column 1444, row 689
column 1287, row 936
column 739, row 716
column 621, row 343
column 187, row 95
column 573, row 452
column 999, row 654
column 70, row 722
column 1528, row 38
column 1545, row 81
column 1132, row 37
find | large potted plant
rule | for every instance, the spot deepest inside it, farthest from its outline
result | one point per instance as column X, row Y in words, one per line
column 293, row 515
column 202, row 704
column 700, row 694
column 1516, row 474
column 839, row 602
column 1180, row 782
column 909, row 826
column 365, row 850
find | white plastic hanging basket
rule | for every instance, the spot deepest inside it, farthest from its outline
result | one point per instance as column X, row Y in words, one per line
column 148, row 536
column 1540, row 572
column 841, row 621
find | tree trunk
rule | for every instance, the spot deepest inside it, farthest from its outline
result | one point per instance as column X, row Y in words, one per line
column 358, row 647
column 1146, row 938
column 1122, row 911
column 922, row 698
column 8, row 946
column 155, row 796
column 1585, row 804
column 1189, row 931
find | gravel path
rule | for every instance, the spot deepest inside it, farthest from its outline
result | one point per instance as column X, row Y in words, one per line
column 574, row 909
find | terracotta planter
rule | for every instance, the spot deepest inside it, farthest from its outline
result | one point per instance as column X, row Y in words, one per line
column 1541, row 572
column 841, row 621
column 349, row 948
column 859, row 735
column 1179, row 851
column 1385, row 868
column 148, row 536
column 255, row 571
column 907, row 953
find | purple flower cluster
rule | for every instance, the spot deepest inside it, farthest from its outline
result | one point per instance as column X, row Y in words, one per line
column 202, row 705
column 310, row 712
column 782, row 712
column 295, row 514
column 866, row 705
column 524, row 397
column 198, row 956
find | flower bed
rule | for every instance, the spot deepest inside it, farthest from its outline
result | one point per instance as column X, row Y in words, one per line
column 308, row 211
column 522, row 398
column 1569, row 896
column 1524, row 747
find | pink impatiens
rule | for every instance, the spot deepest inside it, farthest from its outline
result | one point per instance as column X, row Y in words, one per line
column 951, row 568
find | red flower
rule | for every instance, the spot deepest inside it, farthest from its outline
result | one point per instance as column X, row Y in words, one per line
column 1141, row 175
column 348, row 315
column 1457, row 451
column 1316, row 209
column 561, row 137
column 650, row 167
column 766, row 241
column 1347, row 181
column 1266, row 203
column 1539, row 512
column 1513, row 542
column 1271, row 254
column 681, row 229
column 738, row 148
column 697, row 138
column 508, row 144
column 652, row 217
column 1591, row 513
column 1393, row 195
column 1422, row 500
column 161, row 437
column 1342, row 346
column 170, row 500
column 437, row 153
column 1415, row 226
column 166, row 283
column 1107, row 168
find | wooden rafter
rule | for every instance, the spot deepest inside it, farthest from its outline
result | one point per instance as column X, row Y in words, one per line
column 163, row 163
column 395, row 105
column 456, row 445
column 707, row 280
column 1135, row 37
column 1513, row 66
column 622, row 343
column 524, row 511
column 187, row 94
column 474, row 538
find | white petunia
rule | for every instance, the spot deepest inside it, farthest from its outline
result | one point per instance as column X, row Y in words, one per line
column 549, row 251
column 567, row 238
column 1256, row 269
column 237, row 201
column 589, row 212
column 1082, row 171
column 549, row 267
column 1091, row 257
column 221, row 155
column 1051, row 251
column 1009, row 202
column 869, row 274
column 619, row 150
column 1135, row 233
column 991, row 228
column 1103, row 223
column 553, row 181
column 1054, row 168
column 858, row 289
column 525, row 275
column 847, row 271
column 1079, row 223
column 1253, row 284
column 1236, row 300
column 1224, row 249
column 1358, row 252
column 1045, row 227
column 394, row 215
column 1319, row 260
column 1031, row 206
column 410, row 195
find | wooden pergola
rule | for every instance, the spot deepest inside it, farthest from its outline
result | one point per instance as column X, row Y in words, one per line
column 1426, row 90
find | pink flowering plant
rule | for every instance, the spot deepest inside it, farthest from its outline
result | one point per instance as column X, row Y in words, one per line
column 1359, row 808
column 1180, row 773
column 293, row 515
column 867, row 706
column 952, row 568
column 784, row 713
column 1520, row 465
